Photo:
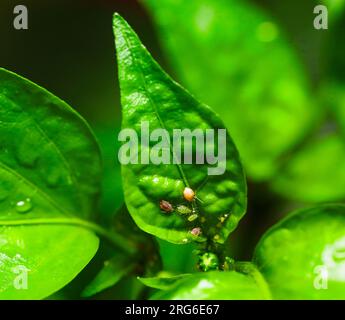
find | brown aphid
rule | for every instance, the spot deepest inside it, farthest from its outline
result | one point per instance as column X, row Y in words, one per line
column 166, row 206
column 195, row 231
column 188, row 194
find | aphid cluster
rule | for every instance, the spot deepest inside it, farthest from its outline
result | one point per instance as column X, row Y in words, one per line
column 191, row 213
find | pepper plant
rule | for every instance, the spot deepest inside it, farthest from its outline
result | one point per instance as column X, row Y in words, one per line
column 50, row 168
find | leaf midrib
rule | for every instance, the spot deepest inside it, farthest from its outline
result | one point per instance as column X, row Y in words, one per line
column 161, row 122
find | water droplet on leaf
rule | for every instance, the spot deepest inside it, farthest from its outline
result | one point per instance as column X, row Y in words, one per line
column 24, row 206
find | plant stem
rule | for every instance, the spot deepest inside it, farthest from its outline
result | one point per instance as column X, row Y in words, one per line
column 116, row 240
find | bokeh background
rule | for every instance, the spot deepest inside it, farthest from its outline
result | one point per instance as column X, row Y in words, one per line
column 278, row 83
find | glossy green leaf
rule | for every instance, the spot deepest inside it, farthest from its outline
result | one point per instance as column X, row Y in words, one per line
column 36, row 261
column 111, row 273
column 162, row 281
column 316, row 173
column 149, row 94
column 236, row 58
column 215, row 285
column 50, row 173
column 303, row 256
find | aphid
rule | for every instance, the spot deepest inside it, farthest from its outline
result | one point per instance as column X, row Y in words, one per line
column 192, row 217
column 166, row 206
column 195, row 231
column 188, row 194
column 216, row 237
column 181, row 209
column 221, row 219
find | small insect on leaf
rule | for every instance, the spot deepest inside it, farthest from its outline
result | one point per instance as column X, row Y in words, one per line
column 166, row 206
column 193, row 217
column 195, row 231
column 181, row 209
column 188, row 194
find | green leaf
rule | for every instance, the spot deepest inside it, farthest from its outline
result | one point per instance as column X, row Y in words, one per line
column 162, row 282
column 316, row 173
column 302, row 257
column 50, row 174
column 111, row 273
column 215, row 285
column 149, row 94
column 36, row 261
column 48, row 153
column 236, row 58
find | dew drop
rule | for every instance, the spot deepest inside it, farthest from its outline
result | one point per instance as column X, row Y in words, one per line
column 24, row 206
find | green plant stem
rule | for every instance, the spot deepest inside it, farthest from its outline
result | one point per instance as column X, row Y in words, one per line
column 114, row 239
column 251, row 270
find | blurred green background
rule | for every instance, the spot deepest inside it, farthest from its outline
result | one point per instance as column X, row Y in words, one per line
column 278, row 83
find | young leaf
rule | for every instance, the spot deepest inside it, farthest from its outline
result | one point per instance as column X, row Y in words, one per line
column 162, row 282
column 149, row 94
column 215, row 285
column 235, row 57
column 50, row 174
column 303, row 256
column 316, row 173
